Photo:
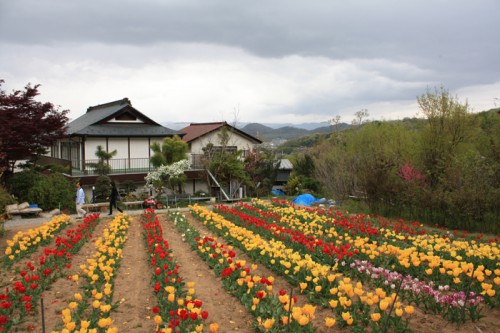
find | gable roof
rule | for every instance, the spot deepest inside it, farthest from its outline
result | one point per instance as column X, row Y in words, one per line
column 117, row 118
column 197, row 130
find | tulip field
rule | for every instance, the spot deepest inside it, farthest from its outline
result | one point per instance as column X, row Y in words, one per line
column 263, row 266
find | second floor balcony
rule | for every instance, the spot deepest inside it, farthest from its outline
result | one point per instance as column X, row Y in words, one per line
column 117, row 165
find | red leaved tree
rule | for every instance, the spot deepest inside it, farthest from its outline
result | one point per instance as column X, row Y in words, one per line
column 27, row 126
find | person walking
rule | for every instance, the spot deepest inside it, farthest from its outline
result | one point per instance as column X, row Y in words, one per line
column 113, row 199
column 79, row 201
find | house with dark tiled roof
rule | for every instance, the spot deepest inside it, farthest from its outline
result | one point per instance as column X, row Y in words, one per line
column 118, row 126
column 113, row 126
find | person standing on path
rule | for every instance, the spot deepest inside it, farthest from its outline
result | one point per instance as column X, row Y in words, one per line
column 80, row 200
column 113, row 198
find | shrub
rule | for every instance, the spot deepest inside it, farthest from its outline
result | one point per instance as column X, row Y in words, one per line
column 102, row 189
column 129, row 186
column 20, row 183
column 53, row 191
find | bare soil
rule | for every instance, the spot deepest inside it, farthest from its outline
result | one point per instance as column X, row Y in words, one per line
column 135, row 294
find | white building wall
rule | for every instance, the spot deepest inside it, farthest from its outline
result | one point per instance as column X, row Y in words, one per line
column 120, row 145
column 234, row 140
column 91, row 147
column 139, row 148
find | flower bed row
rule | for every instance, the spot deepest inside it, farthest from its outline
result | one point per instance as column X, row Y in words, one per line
column 25, row 243
column 91, row 311
column 22, row 298
column 178, row 309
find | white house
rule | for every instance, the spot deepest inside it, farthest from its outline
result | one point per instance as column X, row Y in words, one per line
column 199, row 136
column 113, row 126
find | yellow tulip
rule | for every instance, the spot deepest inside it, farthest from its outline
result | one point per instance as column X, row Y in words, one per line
column 375, row 316
column 333, row 303
column 346, row 315
column 268, row 323
column 103, row 322
column 384, row 304
column 329, row 322
column 71, row 326
column 303, row 320
column 214, row 328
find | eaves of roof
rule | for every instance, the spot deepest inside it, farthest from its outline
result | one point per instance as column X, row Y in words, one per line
column 130, row 130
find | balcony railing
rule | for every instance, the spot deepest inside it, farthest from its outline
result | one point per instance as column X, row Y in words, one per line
column 122, row 165
column 127, row 165
column 117, row 165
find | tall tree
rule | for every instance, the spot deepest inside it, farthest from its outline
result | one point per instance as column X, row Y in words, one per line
column 449, row 125
column 29, row 127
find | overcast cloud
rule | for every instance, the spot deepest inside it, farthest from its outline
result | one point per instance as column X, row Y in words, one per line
column 252, row 61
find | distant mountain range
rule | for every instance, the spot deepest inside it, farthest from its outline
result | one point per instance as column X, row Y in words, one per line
column 267, row 133
column 272, row 132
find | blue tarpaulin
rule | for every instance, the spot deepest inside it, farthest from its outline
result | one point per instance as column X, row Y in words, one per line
column 307, row 200
column 278, row 192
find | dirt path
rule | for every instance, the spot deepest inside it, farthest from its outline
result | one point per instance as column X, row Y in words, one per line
column 132, row 287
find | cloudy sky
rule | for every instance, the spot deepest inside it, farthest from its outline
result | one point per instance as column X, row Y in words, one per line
column 280, row 61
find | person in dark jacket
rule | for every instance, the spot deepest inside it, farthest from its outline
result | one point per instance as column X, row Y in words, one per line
column 113, row 199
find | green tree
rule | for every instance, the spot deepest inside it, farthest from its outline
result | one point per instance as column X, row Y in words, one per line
column 102, row 167
column 261, row 165
column 302, row 176
column 171, row 150
column 449, row 125
column 363, row 161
